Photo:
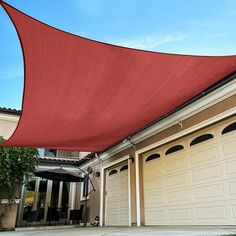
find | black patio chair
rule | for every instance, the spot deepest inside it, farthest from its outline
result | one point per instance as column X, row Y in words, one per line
column 33, row 216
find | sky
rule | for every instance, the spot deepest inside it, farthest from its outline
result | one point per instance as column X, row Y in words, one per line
column 198, row 27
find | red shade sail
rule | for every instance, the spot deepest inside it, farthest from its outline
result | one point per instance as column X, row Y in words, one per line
column 85, row 95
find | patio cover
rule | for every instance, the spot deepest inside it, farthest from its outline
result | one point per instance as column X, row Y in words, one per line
column 85, row 95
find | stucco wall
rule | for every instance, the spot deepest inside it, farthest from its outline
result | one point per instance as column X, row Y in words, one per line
column 7, row 127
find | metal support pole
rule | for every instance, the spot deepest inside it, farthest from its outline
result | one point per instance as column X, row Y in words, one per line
column 86, row 182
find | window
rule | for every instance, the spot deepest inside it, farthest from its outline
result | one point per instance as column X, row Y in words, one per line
column 153, row 157
column 201, row 138
column 50, row 152
column 175, row 148
column 112, row 172
column 125, row 167
column 229, row 128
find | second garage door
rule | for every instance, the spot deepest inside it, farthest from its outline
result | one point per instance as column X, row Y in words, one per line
column 117, row 206
column 193, row 180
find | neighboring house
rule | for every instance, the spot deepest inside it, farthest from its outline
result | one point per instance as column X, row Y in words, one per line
column 8, row 121
column 41, row 193
column 179, row 171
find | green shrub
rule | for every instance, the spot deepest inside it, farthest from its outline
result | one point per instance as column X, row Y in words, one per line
column 15, row 166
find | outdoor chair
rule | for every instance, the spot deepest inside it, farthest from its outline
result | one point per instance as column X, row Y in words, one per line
column 35, row 216
column 77, row 215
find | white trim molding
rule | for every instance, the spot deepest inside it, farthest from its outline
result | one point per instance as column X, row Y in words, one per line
column 101, row 196
column 137, row 185
column 129, row 191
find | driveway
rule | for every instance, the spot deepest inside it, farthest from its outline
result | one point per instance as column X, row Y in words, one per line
column 125, row 231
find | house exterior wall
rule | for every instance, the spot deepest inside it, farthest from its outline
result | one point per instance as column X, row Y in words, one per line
column 8, row 124
column 94, row 200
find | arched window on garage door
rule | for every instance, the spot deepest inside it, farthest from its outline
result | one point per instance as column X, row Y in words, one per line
column 153, row 157
column 173, row 149
column 125, row 167
column 201, row 138
column 229, row 128
column 112, row 172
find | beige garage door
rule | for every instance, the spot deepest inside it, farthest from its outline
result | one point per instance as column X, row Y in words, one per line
column 117, row 196
column 193, row 180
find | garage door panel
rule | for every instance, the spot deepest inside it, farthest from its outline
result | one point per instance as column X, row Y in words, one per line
column 124, row 199
column 117, row 193
column 229, row 147
column 117, row 212
column 234, row 211
column 113, row 220
column 209, row 193
column 159, row 199
column 112, row 184
column 154, row 185
column 155, row 162
column 232, row 189
column 176, row 197
column 178, row 180
column 153, row 178
column 203, row 156
column 207, row 173
column 156, row 170
column 231, row 168
column 180, row 214
column 213, row 213
column 175, row 164
column 156, row 216
column 123, row 174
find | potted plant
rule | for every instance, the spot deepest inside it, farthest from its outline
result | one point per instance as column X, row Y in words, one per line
column 16, row 164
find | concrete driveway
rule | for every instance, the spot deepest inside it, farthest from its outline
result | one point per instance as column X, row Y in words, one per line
column 124, row 231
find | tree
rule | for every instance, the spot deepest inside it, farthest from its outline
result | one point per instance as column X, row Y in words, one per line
column 16, row 164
